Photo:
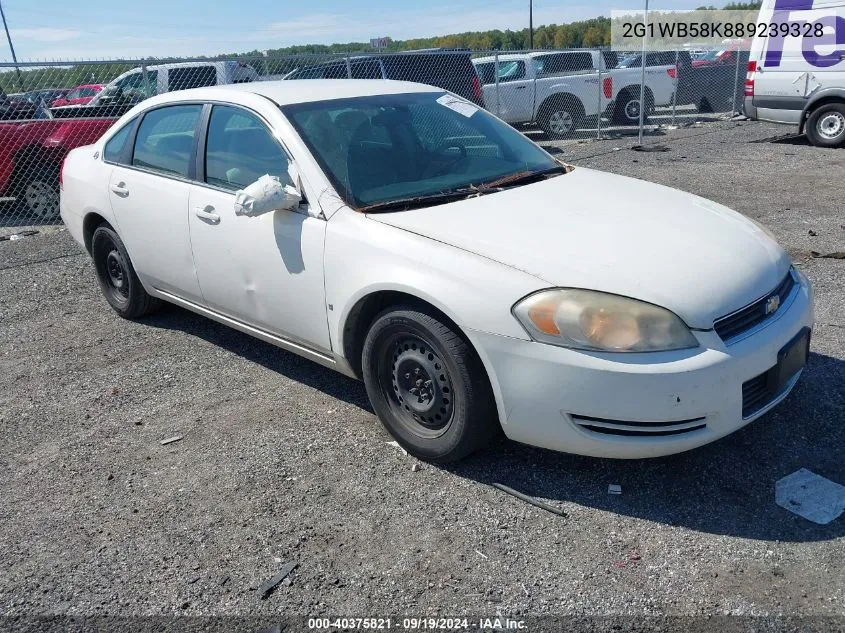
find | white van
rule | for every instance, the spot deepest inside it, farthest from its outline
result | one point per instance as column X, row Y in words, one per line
column 800, row 79
column 136, row 84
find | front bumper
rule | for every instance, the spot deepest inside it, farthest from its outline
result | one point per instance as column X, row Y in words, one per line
column 634, row 405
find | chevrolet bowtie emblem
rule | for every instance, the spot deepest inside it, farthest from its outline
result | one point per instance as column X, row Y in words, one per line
column 772, row 304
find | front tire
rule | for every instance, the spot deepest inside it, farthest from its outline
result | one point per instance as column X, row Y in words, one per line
column 427, row 385
column 118, row 280
column 826, row 125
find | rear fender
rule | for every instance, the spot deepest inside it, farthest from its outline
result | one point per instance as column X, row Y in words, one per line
column 827, row 95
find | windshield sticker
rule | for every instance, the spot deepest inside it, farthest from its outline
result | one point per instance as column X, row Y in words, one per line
column 458, row 105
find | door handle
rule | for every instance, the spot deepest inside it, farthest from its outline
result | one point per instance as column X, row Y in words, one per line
column 519, row 88
column 120, row 189
column 207, row 213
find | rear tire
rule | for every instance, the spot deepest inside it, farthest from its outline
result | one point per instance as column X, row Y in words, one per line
column 427, row 385
column 118, row 280
column 560, row 118
column 627, row 108
column 826, row 125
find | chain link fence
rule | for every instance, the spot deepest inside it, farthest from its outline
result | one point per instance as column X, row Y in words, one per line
column 49, row 108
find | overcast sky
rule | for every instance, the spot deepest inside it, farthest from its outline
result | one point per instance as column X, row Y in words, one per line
column 58, row 29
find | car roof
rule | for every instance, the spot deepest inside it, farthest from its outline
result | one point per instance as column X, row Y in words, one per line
column 285, row 92
column 507, row 57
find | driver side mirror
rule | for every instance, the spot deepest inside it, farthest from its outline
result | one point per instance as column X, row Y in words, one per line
column 266, row 194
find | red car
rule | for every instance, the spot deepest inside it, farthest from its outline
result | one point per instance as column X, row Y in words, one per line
column 78, row 96
column 31, row 153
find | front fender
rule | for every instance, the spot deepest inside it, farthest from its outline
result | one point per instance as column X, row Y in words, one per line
column 364, row 256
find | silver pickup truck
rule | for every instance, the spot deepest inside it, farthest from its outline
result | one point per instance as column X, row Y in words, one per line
column 561, row 91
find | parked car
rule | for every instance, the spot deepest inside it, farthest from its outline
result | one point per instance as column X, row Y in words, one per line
column 78, row 96
column 711, row 87
column 44, row 96
column 801, row 80
column 31, row 153
column 401, row 234
column 14, row 106
column 718, row 56
column 141, row 83
column 450, row 69
column 560, row 91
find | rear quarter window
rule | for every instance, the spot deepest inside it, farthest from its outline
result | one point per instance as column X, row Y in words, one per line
column 114, row 150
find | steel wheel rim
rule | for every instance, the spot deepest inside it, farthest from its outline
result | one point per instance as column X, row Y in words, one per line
column 560, row 122
column 41, row 199
column 116, row 277
column 632, row 109
column 417, row 385
column 831, row 125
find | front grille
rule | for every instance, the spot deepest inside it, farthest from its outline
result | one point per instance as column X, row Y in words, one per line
column 638, row 429
column 733, row 325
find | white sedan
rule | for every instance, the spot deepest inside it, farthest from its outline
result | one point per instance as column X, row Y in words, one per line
column 399, row 234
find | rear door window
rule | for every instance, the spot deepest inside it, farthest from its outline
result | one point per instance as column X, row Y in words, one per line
column 486, row 72
column 165, row 139
column 511, row 71
column 564, row 63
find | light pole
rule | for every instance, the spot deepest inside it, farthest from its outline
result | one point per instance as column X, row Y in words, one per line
column 530, row 25
column 12, row 48
column 642, row 74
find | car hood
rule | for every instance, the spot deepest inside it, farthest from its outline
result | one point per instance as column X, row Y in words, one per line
column 590, row 229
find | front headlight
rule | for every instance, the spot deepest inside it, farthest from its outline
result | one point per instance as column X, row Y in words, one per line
column 586, row 319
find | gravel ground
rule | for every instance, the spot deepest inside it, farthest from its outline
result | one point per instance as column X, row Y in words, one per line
column 283, row 461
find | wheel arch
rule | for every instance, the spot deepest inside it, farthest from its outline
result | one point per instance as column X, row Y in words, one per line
column 634, row 89
column 833, row 95
column 30, row 156
column 558, row 98
column 358, row 318
column 89, row 225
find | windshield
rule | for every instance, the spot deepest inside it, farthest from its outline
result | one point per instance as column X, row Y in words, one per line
column 132, row 86
column 380, row 148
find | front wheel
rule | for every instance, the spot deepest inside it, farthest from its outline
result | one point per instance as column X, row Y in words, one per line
column 118, row 280
column 427, row 385
column 826, row 125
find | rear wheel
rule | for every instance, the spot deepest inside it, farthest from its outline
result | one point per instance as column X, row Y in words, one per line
column 427, row 385
column 826, row 125
column 627, row 108
column 560, row 118
column 36, row 187
column 118, row 281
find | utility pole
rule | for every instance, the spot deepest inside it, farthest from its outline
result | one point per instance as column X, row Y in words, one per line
column 530, row 25
column 12, row 48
